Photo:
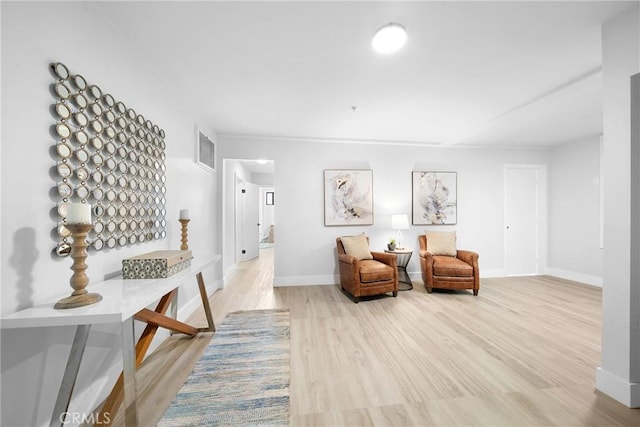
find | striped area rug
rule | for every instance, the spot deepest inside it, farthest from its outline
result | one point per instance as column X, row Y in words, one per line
column 243, row 376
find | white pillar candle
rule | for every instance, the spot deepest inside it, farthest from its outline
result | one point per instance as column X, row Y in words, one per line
column 184, row 213
column 78, row 213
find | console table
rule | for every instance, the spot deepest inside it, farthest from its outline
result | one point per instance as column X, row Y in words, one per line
column 122, row 302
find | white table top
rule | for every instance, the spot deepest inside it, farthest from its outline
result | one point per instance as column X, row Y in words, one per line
column 121, row 299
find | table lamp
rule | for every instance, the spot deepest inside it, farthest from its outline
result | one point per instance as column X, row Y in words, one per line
column 400, row 222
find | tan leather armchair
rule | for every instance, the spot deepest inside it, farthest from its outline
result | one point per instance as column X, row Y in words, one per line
column 448, row 272
column 364, row 277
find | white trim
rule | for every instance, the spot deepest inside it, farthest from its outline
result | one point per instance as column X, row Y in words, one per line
column 618, row 388
column 587, row 279
column 306, row 280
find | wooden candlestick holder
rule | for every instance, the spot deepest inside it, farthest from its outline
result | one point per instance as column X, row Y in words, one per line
column 184, row 246
column 79, row 280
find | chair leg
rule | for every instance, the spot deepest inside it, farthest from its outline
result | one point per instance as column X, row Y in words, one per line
column 356, row 299
column 395, row 293
column 475, row 292
column 429, row 290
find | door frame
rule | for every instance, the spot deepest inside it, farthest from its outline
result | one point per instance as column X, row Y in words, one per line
column 541, row 208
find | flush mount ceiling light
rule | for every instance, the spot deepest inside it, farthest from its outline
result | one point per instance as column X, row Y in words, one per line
column 389, row 38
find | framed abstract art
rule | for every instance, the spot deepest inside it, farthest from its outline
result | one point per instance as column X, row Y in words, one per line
column 348, row 197
column 434, row 198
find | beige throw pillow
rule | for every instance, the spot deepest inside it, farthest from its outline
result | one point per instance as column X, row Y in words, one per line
column 357, row 246
column 441, row 242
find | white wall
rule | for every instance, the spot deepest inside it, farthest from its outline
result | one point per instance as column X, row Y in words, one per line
column 619, row 373
column 34, row 35
column 305, row 253
column 574, row 211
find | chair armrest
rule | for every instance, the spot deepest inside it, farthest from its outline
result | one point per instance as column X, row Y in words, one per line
column 426, row 255
column 385, row 258
column 348, row 259
column 469, row 257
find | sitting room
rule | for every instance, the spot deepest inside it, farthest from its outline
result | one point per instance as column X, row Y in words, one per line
column 259, row 213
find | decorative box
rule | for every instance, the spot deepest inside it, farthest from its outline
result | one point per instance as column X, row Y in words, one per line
column 156, row 265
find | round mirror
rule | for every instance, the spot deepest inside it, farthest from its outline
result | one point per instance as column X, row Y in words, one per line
column 163, row 234
column 122, row 167
column 122, row 240
column 110, row 147
column 111, row 210
column 79, row 81
column 131, row 128
column 96, row 109
column 122, row 152
column 110, row 163
column 97, row 193
column 63, row 150
column 133, row 212
column 96, row 126
column 98, row 244
column 81, row 137
column 140, row 119
column 111, row 242
column 108, row 100
column 109, row 116
column 133, row 171
column 162, row 135
column 122, row 211
column 133, row 225
column 97, row 177
column 132, row 142
column 98, row 227
column 63, row 130
column 133, row 184
column 82, row 174
column 64, row 170
column 97, row 159
column 62, row 90
column 82, row 155
column 121, row 138
column 97, row 143
column 63, row 231
column 133, row 239
column 98, row 211
column 122, row 196
column 111, row 226
column 111, row 179
column 82, row 192
column 120, row 108
column 63, row 249
column 62, row 209
column 60, row 70
column 148, row 124
column 131, row 114
column 95, row 92
column 80, row 100
column 122, row 181
column 63, row 111
column 156, row 129
column 81, row 119
column 64, row 190
column 140, row 133
column 111, row 195
column 133, row 156
column 140, row 238
column 110, row 132
column 133, row 198
column 121, row 122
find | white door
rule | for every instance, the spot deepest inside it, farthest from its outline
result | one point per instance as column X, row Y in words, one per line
column 249, row 221
column 523, row 219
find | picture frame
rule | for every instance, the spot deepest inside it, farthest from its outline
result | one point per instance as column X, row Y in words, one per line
column 205, row 150
column 348, row 197
column 269, row 198
column 434, row 197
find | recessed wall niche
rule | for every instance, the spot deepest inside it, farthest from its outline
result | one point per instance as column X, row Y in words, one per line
column 110, row 156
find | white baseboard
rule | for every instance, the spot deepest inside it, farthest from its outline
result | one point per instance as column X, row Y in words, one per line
column 305, row 280
column 576, row 277
column 618, row 388
column 228, row 273
column 492, row 272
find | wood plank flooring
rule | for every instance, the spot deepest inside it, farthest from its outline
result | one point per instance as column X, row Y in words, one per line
column 521, row 353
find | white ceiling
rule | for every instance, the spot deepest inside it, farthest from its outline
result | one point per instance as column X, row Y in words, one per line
column 472, row 73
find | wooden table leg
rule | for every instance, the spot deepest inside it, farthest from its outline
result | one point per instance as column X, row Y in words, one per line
column 205, row 304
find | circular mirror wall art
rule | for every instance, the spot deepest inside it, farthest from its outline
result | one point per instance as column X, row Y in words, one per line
column 110, row 156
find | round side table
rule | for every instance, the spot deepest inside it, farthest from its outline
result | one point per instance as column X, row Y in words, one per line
column 403, row 255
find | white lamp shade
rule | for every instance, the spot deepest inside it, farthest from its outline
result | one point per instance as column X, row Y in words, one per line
column 389, row 38
column 400, row 222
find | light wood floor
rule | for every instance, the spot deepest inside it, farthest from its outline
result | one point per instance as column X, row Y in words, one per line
column 522, row 353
